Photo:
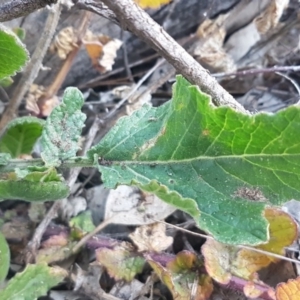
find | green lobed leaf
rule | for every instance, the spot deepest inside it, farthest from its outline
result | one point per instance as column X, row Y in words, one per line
column 122, row 262
column 63, row 128
column 34, row 184
column 13, row 54
column 4, row 257
column 221, row 166
column 20, row 136
column 33, row 282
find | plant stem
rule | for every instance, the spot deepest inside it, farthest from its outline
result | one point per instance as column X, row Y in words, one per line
column 133, row 18
column 79, row 161
column 33, row 67
column 31, row 249
column 19, row 8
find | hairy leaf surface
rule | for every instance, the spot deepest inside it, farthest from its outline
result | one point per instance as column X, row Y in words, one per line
column 20, row 136
column 13, row 54
column 63, row 128
column 33, row 184
column 221, row 166
column 33, row 282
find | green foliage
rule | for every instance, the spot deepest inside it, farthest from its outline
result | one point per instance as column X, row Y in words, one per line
column 33, row 184
column 32, row 283
column 4, row 158
column 13, row 54
column 4, row 257
column 6, row 82
column 20, row 136
column 63, row 128
column 83, row 222
column 221, row 166
column 121, row 262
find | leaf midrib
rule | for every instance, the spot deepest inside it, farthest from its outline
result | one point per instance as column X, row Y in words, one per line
column 168, row 161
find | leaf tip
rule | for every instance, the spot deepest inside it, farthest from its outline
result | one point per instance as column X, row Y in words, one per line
column 72, row 95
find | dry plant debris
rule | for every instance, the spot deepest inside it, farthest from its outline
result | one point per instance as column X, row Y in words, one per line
column 112, row 243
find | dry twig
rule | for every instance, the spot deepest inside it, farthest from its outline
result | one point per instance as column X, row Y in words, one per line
column 53, row 89
column 19, row 8
column 33, row 67
column 140, row 23
column 251, row 72
column 98, row 8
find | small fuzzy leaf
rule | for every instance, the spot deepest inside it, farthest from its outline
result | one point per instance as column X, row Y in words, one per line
column 244, row 263
column 122, row 262
column 82, row 224
column 289, row 290
column 36, row 184
column 63, row 127
column 20, row 136
column 181, row 274
column 220, row 166
column 13, row 54
column 33, row 282
column 4, row 258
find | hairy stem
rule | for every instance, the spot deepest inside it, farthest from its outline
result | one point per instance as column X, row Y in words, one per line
column 80, row 161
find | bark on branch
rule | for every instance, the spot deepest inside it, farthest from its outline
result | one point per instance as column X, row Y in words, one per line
column 97, row 7
column 141, row 24
column 19, row 8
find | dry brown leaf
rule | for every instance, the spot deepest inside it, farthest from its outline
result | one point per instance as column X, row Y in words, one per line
column 109, row 55
column 184, row 277
column 128, row 205
column 222, row 261
column 93, row 46
column 48, row 105
column 151, row 238
column 121, row 262
column 64, row 42
column 102, row 50
column 34, row 94
column 289, row 290
column 269, row 18
column 209, row 50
